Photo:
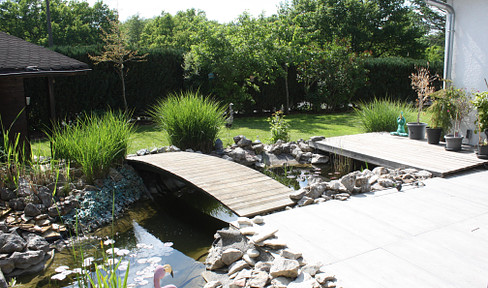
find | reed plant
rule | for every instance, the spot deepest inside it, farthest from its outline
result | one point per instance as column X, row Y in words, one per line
column 94, row 143
column 12, row 156
column 380, row 114
column 190, row 120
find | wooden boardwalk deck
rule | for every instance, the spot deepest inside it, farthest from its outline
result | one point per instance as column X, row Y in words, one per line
column 243, row 190
column 434, row 236
column 400, row 152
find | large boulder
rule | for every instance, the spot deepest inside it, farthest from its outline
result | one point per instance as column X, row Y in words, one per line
column 10, row 243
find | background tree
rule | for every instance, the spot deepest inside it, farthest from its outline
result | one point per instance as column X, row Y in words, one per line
column 73, row 23
column 116, row 52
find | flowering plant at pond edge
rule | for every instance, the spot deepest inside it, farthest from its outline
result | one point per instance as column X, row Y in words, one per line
column 279, row 127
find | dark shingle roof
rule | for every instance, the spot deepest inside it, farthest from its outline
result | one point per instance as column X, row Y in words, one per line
column 19, row 57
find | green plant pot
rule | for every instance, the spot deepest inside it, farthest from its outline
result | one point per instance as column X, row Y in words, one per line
column 453, row 143
column 416, row 130
column 433, row 135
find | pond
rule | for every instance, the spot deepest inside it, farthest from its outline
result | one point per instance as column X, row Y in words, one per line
column 150, row 234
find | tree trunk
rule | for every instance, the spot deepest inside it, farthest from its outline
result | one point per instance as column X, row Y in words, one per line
column 121, row 75
column 287, row 90
column 49, row 28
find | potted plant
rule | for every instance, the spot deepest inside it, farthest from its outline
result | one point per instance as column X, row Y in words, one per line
column 460, row 106
column 422, row 84
column 441, row 113
column 480, row 102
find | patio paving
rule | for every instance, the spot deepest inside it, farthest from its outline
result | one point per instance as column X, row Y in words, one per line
column 433, row 236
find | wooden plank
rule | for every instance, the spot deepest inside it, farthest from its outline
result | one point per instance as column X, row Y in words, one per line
column 242, row 189
column 399, row 152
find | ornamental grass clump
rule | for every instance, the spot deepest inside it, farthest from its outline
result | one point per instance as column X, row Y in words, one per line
column 380, row 115
column 190, row 120
column 94, row 143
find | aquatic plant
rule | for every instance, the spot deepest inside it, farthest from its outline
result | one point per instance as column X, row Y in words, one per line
column 189, row 119
column 95, row 143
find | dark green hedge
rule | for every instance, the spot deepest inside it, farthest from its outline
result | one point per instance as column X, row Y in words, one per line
column 389, row 77
column 101, row 88
column 162, row 73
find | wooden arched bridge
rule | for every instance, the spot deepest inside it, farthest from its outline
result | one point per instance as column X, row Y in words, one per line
column 243, row 190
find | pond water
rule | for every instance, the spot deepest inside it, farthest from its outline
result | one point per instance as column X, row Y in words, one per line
column 150, row 234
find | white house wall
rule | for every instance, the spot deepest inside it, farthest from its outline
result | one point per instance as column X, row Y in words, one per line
column 470, row 52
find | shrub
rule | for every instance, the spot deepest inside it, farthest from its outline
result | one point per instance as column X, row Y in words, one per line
column 189, row 119
column 381, row 115
column 279, row 127
column 95, row 143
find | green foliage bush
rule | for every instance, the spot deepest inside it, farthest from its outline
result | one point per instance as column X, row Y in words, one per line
column 95, row 143
column 279, row 127
column 380, row 114
column 190, row 120
column 389, row 77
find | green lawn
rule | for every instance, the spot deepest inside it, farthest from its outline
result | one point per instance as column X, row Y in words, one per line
column 301, row 126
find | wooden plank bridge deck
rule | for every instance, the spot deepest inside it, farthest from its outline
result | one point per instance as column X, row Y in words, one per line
column 243, row 190
column 400, row 152
column 434, row 236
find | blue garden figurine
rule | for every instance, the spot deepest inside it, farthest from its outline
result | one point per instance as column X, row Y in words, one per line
column 401, row 126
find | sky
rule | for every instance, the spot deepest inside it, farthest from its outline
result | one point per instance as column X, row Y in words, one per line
column 221, row 10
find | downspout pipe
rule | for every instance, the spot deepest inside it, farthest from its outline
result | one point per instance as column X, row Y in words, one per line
column 450, row 17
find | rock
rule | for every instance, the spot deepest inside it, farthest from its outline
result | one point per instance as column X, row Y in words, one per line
column 24, row 260
column 36, row 242
column 363, row 183
column 373, row 178
column 237, row 138
column 6, row 265
column 253, row 253
column 3, row 281
column 336, row 185
column 280, row 282
column 284, row 267
column 263, row 266
column 304, row 280
column 226, row 157
column 244, row 222
column 311, row 269
column 305, row 147
column 142, row 152
column 16, row 204
column 288, row 254
column 342, row 196
column 387, row 183
column 348, row 181
column 263, row 235
column 317, row 138
column 305, row 201
column 214, row 259
column 155, row 150
column 244, row 142
column 322, row 278
column 7, row 194
column 249, row 260
column 237, row 266
column 3, row 227
column 231, row 255
column 319, row 159
column 274, row 243
column 380, row 171
column 10, row 243
column 258, row 220
column 423, row 174
column 31, row 210
column 258, row 148
column 30, row 270
column 213, row 284
column 238, row 283
column 259, row 279
column 316, row 190
column 189, row 150
column 306, row 157
column 248, row 231
column 45, row 196
column 297, row 194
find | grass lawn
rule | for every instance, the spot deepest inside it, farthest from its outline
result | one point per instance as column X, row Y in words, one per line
column 301, row 126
